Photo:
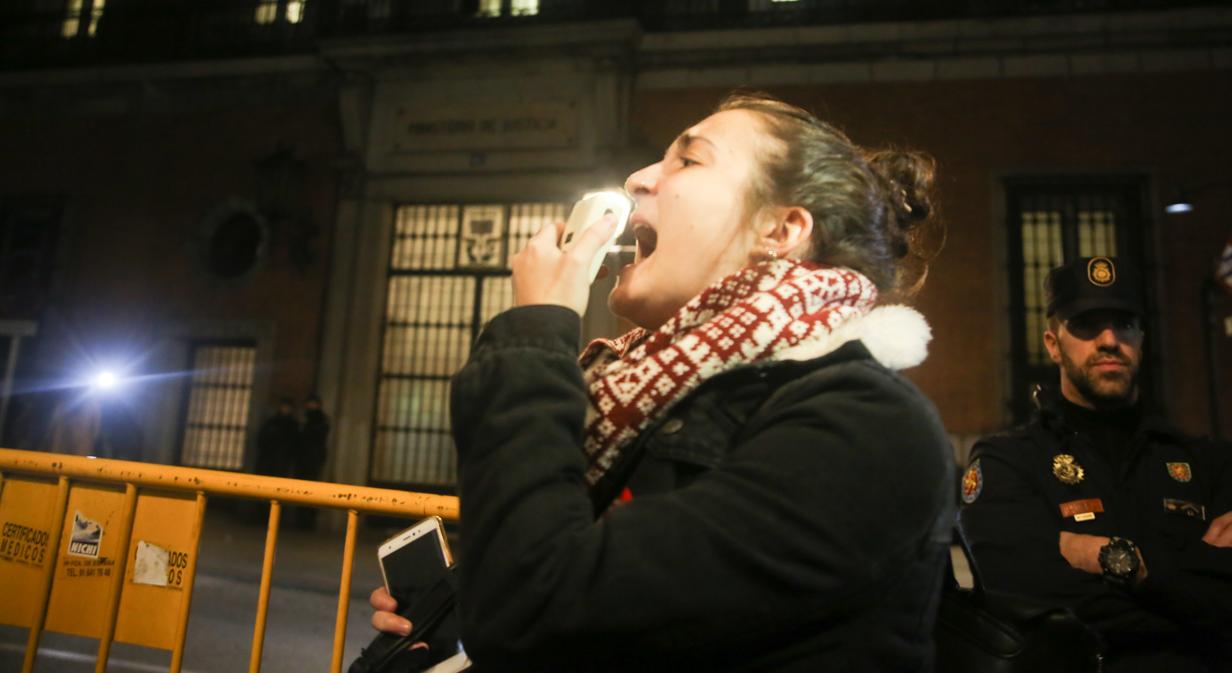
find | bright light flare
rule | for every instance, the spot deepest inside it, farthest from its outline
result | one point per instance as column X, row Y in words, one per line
column 105, row 380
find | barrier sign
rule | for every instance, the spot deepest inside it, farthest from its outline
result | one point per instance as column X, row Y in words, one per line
column 86, row 537
column 162, row 558
column 86, row 566
column 26, row 510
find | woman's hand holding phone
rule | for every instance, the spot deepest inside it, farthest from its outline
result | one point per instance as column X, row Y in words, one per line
column 545, row 274
column 384, row 617
column 412, row 562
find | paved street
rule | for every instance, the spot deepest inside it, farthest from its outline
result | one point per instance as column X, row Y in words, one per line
column 303, row 603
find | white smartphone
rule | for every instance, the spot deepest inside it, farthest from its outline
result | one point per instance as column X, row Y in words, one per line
column 414, row 559
column 590, row 209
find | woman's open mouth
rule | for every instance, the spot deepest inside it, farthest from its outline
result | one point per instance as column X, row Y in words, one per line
column 646, row 238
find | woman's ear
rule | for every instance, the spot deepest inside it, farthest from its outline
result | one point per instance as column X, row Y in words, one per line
column 788, row 234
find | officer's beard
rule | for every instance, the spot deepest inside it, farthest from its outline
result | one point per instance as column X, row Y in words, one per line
column 1104, row 390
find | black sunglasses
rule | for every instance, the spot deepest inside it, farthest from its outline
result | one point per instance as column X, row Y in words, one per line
column 1091, row 324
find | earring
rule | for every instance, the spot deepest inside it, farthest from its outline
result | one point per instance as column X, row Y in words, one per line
column 765, row 255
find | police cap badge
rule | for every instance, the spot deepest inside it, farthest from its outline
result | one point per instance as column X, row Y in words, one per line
column 1089, row 283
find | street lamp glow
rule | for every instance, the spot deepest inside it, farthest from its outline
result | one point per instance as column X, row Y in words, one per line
column 105, row 380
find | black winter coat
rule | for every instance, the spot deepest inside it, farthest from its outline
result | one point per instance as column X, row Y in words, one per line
column 798, row 518
column 1180, row 617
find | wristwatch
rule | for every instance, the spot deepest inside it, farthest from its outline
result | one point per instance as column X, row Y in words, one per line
column 1119, row 561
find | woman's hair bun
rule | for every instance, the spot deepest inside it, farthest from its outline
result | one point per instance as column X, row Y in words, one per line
column 909, row 177
column 872, row 210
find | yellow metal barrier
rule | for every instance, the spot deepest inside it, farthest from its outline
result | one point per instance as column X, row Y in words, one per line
column 128, row 551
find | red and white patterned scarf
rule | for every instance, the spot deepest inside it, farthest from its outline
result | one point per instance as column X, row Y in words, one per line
column 753, row 314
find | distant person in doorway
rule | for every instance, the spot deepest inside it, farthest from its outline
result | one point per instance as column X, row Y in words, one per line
column 312, row 454
column 277, row 441
column 75, row 423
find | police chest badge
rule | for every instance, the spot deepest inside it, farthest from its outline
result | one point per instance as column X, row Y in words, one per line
column 972, row 482
column 1066, row 470
column 1180, row 472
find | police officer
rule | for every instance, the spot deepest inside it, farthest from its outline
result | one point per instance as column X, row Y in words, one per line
column 1097, row 505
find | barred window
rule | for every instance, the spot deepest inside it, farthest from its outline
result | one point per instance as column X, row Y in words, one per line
column 508, row 7
column 82, row 14
column 215, row 427
column 267, row 11
column 1053, row 222
column 524, row 7
column 448, row 275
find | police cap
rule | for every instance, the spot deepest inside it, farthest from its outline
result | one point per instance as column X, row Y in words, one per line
column 1089, row 283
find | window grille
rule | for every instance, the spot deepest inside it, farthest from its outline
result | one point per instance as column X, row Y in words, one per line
column 78, row 11
column 524, row 7
column 216, row 412
column 1053, row 222
column 448, row 275
column 295, row 11
column 492, row 8
column 267, row 11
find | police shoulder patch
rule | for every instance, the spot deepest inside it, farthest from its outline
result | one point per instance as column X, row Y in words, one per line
column 972, row 482
column 1180, row 472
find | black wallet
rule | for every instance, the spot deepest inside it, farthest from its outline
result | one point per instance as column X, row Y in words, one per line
column 425, row 613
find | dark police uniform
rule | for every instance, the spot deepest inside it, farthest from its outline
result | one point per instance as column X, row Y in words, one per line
column 1112, row 473
column 1026, row 486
